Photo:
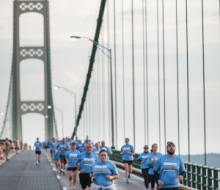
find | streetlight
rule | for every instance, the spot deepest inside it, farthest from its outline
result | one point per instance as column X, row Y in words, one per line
column 73, row 94
column 111, row 83
column 61, row 111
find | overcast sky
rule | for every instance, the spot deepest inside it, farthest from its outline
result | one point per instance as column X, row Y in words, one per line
column 70, row 62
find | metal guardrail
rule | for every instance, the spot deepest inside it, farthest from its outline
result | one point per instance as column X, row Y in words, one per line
column 198, row 176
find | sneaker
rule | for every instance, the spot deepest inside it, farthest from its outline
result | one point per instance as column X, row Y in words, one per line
column 71, row 183
column 73, row 187
column 129, row 176
column 127, row 181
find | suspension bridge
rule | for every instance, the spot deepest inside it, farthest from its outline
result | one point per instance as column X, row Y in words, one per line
column 152, row 75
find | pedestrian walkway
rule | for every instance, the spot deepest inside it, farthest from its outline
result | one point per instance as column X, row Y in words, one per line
column 22, row 173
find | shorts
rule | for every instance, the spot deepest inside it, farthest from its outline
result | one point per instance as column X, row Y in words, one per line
column 72, row 169
column 112, row 186
column 85, row 180
column 174, row 188
column 63, row 159
column 129, row 162
column 56, row 158
column 38, row 152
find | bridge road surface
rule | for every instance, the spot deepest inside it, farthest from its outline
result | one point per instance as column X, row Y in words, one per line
column 136, row 183
column 22, row 173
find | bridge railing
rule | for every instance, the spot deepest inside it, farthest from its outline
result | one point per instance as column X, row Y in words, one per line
column 197, row 176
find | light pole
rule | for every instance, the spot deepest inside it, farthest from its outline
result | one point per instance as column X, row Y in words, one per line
column 61, row 111
column 111, row 83
column 73, row 94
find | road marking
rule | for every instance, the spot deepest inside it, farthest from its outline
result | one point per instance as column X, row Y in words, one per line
column 58, row 177
column 64, row 188
column 54, row 169
column 134, row 176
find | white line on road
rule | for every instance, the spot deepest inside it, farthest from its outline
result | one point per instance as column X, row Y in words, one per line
column 64, row 188
column 58, row 177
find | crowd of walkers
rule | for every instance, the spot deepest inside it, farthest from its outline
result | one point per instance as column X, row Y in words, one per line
column 96, row 171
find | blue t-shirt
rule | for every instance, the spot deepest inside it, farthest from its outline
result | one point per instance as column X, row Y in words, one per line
column 150, row 158
column 45, row 143
column 86, row 161
column 71, row 155
column 106, row 148
column 89, row 141
column 169, row 169
column 96, row 151
column 77, row 142
column 53, row 145
column 62, row 149
column 37, row 145
column 100, row 170
column 144, row 157
column 80, row 147
column 125, row 149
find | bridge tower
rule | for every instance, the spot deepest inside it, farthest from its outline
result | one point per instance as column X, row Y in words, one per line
column 42, row 53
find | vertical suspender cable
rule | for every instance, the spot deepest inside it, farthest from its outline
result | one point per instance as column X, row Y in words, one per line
column 177, row 78
column 158, row 65
column 147, row 115
column 103, row 89
column 116, row 131
column 98, row 113
column 143, row 17
column 187, row 65
column 133, row 71
column 164, row 82
column 123, row 65
column 109, row 94
column 204, row 99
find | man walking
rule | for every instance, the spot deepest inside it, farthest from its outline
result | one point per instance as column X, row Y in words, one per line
column 169, row 169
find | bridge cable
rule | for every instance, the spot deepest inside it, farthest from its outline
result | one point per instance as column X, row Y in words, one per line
column 177, row 78
column 187, row 66
column 204, row 87
column 144, row 90
column 158, row 75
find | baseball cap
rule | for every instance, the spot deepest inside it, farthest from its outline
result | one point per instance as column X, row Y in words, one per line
column 170, row 143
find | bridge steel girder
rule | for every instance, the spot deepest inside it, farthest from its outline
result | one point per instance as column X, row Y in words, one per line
column 41, row 53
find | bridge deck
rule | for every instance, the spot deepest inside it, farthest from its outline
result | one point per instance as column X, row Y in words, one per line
column 21, row 173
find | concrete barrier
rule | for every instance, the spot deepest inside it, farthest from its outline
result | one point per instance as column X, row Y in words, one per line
column 139, row 173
